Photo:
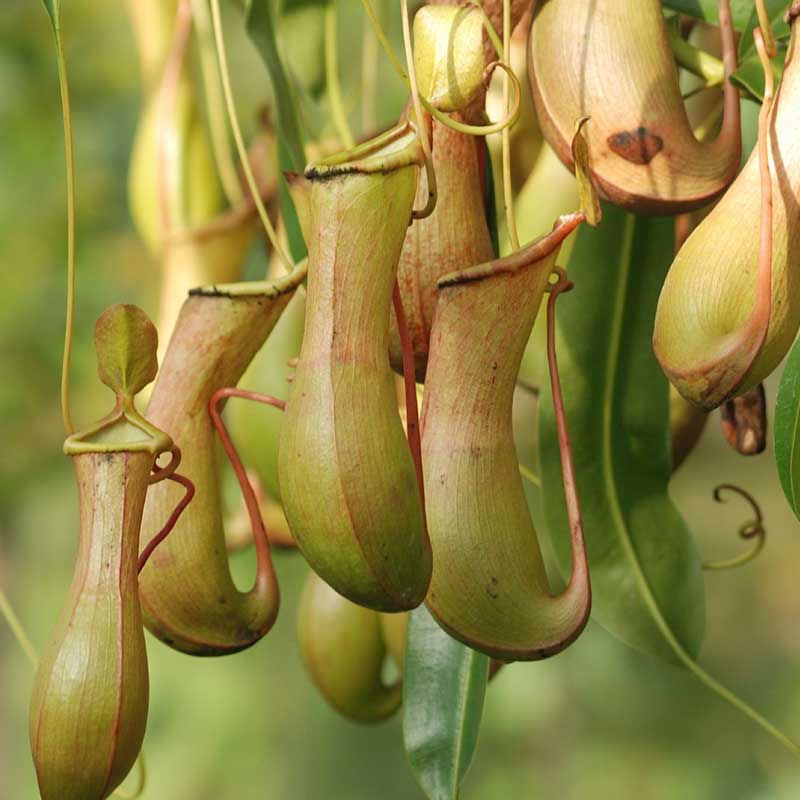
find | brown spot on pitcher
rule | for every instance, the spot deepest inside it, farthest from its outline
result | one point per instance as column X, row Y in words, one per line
column 638, row 146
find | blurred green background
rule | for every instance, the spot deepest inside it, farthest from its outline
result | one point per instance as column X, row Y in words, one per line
column 598, row 722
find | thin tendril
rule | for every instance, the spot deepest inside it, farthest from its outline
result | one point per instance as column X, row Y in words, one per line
column 141, row 782
column 265, row 567
column 580, row 565
column 66, row 113
column 369, row 78
column 233, row 119
column 171, row 522
column 493, row 127
column 387, row 47
column 215, row 104
column 412, row 409
column 497, row 43
column 765, row 25
column 750, row 530
column 508, row 197
column 23, row 640
column 430, row 205
column 530, row 476
column 332, row 78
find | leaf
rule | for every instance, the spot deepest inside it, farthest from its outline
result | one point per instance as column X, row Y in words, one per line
column 750, row 75
column 589, row 201
column 444, row 688
column 53, row 9
column 742, row 11
column 787, row 429
column 261, row 30
column 291, row 147
column 645, row 570
column 126, row 342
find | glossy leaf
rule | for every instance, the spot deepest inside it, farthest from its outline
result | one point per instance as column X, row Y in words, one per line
column 742, row 11
column 787, row 429
column 261, row 29
column 750, row 75
column 645, row 569
column 445, row 684
column 53, row 9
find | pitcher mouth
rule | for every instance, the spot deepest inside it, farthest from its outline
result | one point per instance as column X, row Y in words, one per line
column 396, row 148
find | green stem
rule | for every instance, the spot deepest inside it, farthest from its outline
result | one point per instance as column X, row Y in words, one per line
column 508, row 193
column 233, row 119
column 530, row 476
column 332, row 78
column 66, row 113
column 215, row 104
column 697, row 61
column 17, row 630
column 369, row 80
column 421, row 124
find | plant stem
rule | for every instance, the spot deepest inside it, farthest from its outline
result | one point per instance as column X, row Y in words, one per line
column 215, row 104
column 369, row 79
column 696, row 61
column 332, row 78
column 17, row 630
column 66, row 113
column 421, row 124
column 233, row 119
column 508, row 192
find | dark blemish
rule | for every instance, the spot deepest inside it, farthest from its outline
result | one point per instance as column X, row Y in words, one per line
column 638, row 146
column 222, row 601
column 494, row 366
column 491, row 588
column 167, row 641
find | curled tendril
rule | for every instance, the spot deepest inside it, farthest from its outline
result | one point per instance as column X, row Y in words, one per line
column 754, row 529
column 161, row 474
column 482, row 130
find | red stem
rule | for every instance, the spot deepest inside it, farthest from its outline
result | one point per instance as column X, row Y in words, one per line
column 580, row 567
column 412, row 411
column 265, row 570
column 173, row 519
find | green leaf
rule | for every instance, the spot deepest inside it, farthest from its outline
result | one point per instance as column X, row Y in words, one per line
column 787, row 429
column 291, row 149
column 53, row 9
column 126, row 342
column 750, row 76
column 444, row 688
column 645, row 569
column 742, row 11
column 261, row 29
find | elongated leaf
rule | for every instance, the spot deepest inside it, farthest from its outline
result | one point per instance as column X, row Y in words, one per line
column 261, row 29
column 443, row 692
column 644, row 566
column 750, row 75
column 742, row 11
column 787, row 429
column 53, row 9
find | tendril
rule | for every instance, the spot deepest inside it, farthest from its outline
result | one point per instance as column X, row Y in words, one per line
column 215, row 104
column 265, row 567
column 493, row 127
column 162, row 474
column 412, row 408
column 754, row 529
column 508, row 193
column 422, row 127
column 332, row 77
column 233, row 118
